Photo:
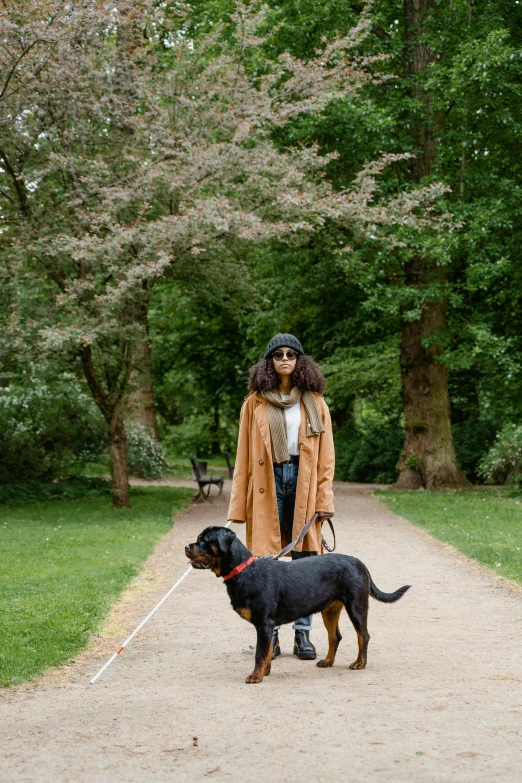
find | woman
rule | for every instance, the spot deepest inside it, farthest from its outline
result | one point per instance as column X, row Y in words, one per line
column 285, row 461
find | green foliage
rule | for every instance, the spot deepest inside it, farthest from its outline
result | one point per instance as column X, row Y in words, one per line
column 62, row 566
column 73, row 488
column 503, row 462
column 210, row 325
column 145, row 455
column 193, row 436
column 474, row 83
column 484, row 523
column 200, row 364
column 413, row 461
column 47, row 430
column 473, row 437
column 369, row 453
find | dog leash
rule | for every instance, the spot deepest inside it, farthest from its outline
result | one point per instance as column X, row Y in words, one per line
column 302, row 533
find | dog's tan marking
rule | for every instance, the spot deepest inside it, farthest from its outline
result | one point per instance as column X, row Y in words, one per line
column 262, row 666
column 331, row 622
column 258, row 673
column 246, row 614
column 362, row 639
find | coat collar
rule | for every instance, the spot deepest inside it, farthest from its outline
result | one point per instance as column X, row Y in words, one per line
column 261, row 417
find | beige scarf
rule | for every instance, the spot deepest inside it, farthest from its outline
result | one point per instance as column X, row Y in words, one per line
column 277, row 419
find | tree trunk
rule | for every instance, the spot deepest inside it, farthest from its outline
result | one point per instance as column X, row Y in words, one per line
column 119, row 468
column 140, row 406
column 109, row 403
column 428, row 458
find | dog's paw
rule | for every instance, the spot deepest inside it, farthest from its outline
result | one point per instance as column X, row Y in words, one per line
column 357, row 665
column 324, row 664
column 268, row 669
column 252, row 678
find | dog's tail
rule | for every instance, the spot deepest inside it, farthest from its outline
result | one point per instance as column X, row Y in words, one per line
column 387, row 598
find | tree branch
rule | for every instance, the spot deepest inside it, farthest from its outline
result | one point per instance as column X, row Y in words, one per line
column 20, row 189
column 379, row 31
column 15, row 66
column 93, row 381
column 6, row 195
column 122, row 382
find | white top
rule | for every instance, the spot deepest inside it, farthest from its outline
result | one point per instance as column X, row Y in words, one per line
column 293, row 423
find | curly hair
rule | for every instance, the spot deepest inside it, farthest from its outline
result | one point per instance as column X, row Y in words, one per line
column 307, row 376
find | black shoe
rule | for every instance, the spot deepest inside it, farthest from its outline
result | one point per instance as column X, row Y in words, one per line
column 275, row 644
column 303, row 647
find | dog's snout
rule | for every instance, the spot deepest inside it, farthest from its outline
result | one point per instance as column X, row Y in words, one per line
column 189, row 547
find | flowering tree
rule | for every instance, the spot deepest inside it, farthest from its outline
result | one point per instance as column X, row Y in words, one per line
column 130, row 151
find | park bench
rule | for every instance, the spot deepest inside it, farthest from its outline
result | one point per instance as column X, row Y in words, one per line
column 230, row 466
column 204, row 481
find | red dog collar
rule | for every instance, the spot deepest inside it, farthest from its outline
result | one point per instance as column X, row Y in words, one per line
column 237, row 570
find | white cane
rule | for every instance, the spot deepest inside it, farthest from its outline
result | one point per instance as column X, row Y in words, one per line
column 140, row 626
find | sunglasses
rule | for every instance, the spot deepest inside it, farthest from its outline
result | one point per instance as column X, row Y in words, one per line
column 281, row 355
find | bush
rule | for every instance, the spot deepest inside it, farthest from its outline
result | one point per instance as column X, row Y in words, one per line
column 473, row 438
column 145, row 454
column 503, row 462
column 70, row 489
column 48, row 430
column 369, row 453
column 193, row 436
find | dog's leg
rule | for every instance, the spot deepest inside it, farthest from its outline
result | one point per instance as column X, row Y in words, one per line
column 264, row 642
column 269, row 659
column 357, row 609
column 331, row 622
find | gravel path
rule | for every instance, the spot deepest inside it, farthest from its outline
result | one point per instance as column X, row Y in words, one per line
column 441, row 699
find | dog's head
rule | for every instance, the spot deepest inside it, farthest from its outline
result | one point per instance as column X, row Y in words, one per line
column 213, row 546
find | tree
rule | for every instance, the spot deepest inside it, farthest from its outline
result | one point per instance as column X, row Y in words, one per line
column 128, row 156
column 456, row 65
column 428, row 458
column 455, row 104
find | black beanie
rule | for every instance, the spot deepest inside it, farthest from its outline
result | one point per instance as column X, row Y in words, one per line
column 283, row 339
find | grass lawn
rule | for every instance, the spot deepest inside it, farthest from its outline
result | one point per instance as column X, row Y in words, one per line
column 484, row 523
column 62, row 565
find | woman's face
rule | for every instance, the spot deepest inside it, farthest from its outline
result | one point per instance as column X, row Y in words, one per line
column 284, row 364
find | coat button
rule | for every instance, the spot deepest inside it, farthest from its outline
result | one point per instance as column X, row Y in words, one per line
column 261, row 461
column 261, row 490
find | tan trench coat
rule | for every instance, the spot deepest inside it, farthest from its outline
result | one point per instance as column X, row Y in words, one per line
column 253, row 499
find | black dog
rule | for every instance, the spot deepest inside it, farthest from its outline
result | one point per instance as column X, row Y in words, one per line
column 269, row 592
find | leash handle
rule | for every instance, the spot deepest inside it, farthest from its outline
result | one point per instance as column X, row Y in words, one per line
column 325, row 544
column 302, row 533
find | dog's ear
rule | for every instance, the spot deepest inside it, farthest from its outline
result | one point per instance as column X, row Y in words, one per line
column 225, row 539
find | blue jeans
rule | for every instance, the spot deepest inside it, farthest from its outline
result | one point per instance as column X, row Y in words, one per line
column 286, row 483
